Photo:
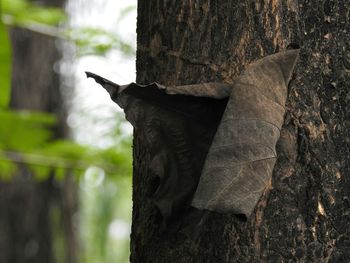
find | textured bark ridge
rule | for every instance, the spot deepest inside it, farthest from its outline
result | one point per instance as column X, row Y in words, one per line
column 241, row 158
column 304, row 213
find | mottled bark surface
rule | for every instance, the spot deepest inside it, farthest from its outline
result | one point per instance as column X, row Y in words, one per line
column 304, row 215
column 25, row 203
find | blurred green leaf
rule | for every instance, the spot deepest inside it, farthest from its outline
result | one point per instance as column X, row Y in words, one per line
column 40, row 172
column 66, row 156
column 122, row 159
column 125, row 12
column 13, row 6
column 65, row 149
column 21, row 12
column 24, row 130
column 96, row 41
column 7, row 168
column 72, row 155
column 60, row 173
column 5, row 66
column 28, row 138
column 89, row 41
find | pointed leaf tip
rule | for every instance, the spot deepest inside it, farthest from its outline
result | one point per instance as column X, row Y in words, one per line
column 96, row 77
column 287, row 61
column 108, row 85
column 88, row 74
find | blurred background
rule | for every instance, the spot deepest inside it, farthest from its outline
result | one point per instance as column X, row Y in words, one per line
column 65, row 147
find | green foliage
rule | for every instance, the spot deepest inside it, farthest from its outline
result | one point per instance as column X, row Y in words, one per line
column 70, row 155
column 60, row 173
column 89, row 41
column 40, row 172
column 67, row 150
column 27, row 138
column 96, row 41
column 24, row 130
column 22, row 12
column 125, row 12
column 7, row 168
column 5, row 66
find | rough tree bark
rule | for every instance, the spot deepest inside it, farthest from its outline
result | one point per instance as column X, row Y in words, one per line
column 304, row 214
column 25, row 203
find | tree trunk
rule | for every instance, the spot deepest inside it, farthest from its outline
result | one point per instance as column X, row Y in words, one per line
column 304, row 214
column 25, row 203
